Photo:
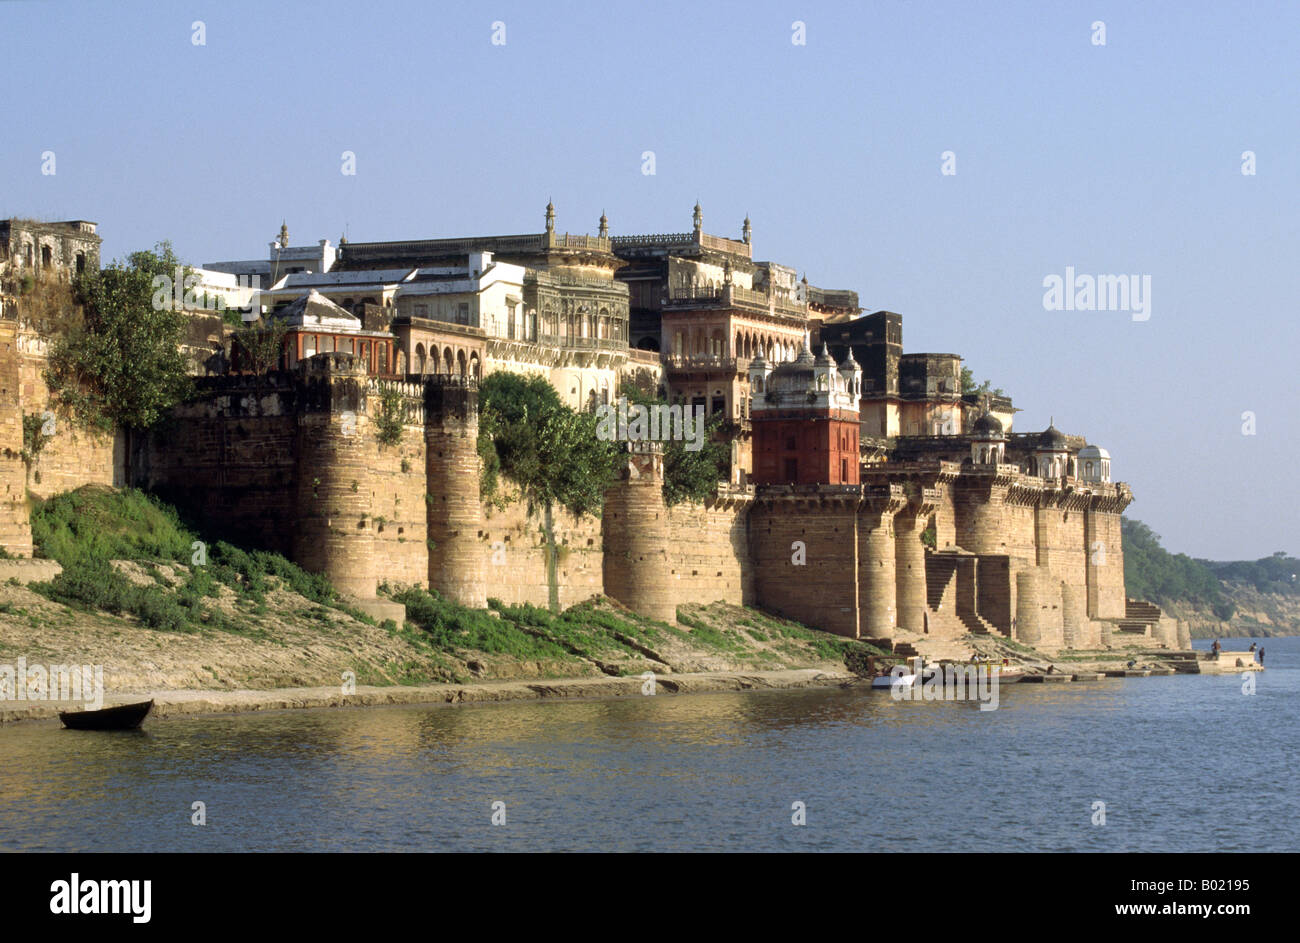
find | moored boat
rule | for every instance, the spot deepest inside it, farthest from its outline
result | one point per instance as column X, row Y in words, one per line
column 121, row 717
column 888, row 681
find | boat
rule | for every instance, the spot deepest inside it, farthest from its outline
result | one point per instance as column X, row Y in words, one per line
column 1003, row 673
column 888, row 681
column 121, row 717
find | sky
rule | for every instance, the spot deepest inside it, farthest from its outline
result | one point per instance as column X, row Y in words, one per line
column 1117, row 159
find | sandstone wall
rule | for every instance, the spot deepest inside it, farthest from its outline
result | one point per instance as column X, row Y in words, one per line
column 515, row 556
column 15, row 527
column 73, row 456
column 824, row 590
column 229, row 462
column 637, row 564
column 1105, row 565
column 708, row 552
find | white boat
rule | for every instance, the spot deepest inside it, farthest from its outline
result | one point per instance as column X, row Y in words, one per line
column 888, row 681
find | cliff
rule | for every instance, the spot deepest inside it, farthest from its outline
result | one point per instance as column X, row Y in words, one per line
column 1256, row 614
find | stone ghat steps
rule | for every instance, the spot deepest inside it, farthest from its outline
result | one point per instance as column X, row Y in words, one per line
column 1137, row 610
column 939, row 573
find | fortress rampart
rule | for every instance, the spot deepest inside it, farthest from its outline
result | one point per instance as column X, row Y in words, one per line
column 377, row 481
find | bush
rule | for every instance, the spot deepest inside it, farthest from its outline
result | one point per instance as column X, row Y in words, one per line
column 450, row 626
column 91, row 583
column 101, row 523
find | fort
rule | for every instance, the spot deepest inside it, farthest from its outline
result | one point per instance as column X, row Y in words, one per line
column 869, row 493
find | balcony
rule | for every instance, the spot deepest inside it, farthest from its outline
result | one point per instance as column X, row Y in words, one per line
column 700, row 362
column 733, row 296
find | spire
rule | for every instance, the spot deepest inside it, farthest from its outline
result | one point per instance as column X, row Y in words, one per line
column 284, row 235
column 746, row 232
column 698, row 217
column 550, row 216
column 604, row 225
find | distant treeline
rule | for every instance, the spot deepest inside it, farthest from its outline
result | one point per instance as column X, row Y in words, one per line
column 1275, row 574
column 1153, row 573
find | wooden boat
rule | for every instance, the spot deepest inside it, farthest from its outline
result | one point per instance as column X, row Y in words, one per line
column 1004, row 674
column 888, row 681
column 122, row 717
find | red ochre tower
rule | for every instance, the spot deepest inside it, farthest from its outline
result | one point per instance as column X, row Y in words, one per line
column 805, row 420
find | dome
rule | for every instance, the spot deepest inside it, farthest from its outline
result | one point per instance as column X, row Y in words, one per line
column 987, row 425
column 802, row 364
column 1093, row 452
column 824, row 358
column 1054, row 439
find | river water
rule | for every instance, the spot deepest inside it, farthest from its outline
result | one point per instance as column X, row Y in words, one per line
column 1183, row 763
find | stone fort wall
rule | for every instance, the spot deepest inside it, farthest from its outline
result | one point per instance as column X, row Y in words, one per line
column 295, row 463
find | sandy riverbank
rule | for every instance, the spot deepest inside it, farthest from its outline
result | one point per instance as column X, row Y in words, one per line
column 173, row 703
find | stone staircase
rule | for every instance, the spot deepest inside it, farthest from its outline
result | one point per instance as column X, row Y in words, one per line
column 1140, row 618
column 940, row 586
column 940, row 572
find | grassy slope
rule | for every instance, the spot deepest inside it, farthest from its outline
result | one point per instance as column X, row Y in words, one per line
column 133, row 598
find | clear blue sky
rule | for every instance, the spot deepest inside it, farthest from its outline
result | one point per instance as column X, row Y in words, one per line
column 1117, row 159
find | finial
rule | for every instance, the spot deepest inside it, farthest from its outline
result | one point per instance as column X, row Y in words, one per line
column 604, row 225
column 746, row 232
column 550, row 216
column 284, row 235
column 698, row 216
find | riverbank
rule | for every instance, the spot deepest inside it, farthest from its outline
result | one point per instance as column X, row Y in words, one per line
column 173, row 703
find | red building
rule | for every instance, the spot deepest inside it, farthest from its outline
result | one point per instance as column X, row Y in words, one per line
column 805, row 420
column 315, row 325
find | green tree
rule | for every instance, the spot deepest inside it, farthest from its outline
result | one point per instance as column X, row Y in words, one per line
column 261, row 343
column 968, row 384
column 119, row 362
column 692, row 475
column 550, row 451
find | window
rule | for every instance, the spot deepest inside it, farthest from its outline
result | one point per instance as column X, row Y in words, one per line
column 47, row 257
column 791, row 469
column 462, row 313
column 81, row 262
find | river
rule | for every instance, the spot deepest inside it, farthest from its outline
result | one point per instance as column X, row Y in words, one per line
column 1183, row 763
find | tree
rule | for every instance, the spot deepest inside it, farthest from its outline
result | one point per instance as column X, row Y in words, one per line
column 550, row 451
column 968, row 384
column 119, row 362
column 692, row 475
column 260, row 344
